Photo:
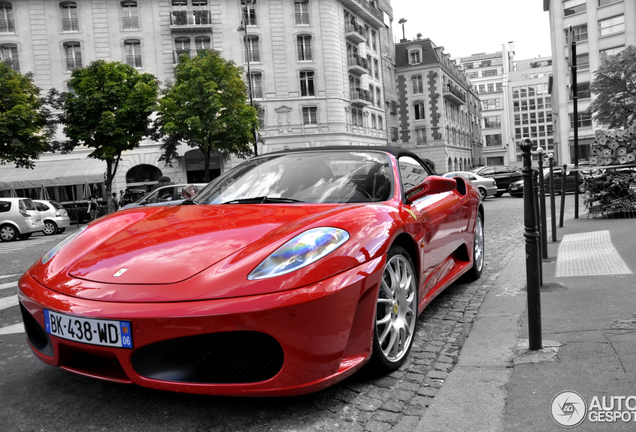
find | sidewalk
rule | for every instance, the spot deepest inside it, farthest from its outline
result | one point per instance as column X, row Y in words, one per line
column 589, row 339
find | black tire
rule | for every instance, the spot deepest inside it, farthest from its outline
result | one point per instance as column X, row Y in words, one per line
column 498, row 194
column 396, row 312
column 50, row 228
column 61, row 230
column 8, row 233
column 478, row 251
column 24, row 236
column 483, row 192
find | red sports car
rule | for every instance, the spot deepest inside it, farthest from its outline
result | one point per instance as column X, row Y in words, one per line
column 283, row 276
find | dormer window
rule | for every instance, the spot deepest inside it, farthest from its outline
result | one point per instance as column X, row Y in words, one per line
column 414, row 57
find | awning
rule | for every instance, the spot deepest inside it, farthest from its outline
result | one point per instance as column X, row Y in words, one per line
column 62, row 172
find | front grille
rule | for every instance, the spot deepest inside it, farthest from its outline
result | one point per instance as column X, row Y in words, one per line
column 219, row 358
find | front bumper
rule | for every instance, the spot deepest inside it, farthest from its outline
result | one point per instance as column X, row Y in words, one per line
column 324, row 333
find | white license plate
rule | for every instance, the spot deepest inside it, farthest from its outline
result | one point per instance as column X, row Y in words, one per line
column 89, row 330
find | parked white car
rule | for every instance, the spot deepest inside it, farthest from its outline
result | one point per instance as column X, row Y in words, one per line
column 54, row 216
column 487, row 186
column 19, row 218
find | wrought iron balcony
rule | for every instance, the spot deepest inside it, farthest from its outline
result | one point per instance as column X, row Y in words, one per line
column 358, row 65
column 360, row 97
column 454, row 95
column 191, row 21
column 355, row 32
column 73, row 63
column 367, row 10
column 176, row 54
column 134, row 60
column 130, row 23
column 7, row 25
column 70, row 25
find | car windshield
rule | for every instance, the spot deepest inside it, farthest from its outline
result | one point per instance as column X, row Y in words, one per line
column 309, row 177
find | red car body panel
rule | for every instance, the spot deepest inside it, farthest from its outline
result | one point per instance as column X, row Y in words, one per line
column 187, row 276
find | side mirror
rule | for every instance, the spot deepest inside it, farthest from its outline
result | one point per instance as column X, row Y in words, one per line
column 430, row 186
column 189, row 191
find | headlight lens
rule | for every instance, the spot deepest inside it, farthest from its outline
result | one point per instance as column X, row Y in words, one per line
column 50, row 254
column 300, row 251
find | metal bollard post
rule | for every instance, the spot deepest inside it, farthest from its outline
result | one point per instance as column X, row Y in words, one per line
column 552, row 209
column 537, row 216
column 544, row 219
column 563, row 176
column 532, row 251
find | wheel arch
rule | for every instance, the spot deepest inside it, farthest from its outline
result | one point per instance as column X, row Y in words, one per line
column 408, row 243
column 13, row 224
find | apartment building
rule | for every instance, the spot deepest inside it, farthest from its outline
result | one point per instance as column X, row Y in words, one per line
column 531, row 102
column 600, row 28
column 489, row 73
column 322, row 71
column 438, row 109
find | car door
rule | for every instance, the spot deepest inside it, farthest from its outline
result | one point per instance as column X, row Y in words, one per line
column 437, row 216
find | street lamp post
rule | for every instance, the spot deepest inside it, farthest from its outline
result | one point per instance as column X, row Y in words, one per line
column 245, row 5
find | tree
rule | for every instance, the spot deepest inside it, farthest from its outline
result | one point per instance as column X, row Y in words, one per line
column 402, row 21
column 108, row 109
column 614, row 87
column 26, row 125
column 207, row 108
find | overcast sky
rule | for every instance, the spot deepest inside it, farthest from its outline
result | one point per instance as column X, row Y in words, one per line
column 465, row 27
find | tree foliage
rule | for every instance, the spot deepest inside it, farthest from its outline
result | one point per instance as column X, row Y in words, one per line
column 206, row 107
column 614, row 87
column 26, row 125
column 108, row 109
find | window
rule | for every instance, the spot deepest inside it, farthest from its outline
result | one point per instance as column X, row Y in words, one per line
column 414, row 57
column 485, row 63
column 612, row 25
column 367, row 36
column 72, row 56
column 181, row 47
column 9, row 55
column 418, row 86
column 374, row 40
column 420, row 136
column 252, row 51
column 129, row 15
column 373, row 122
column 133, row 53
column 579, row 34
column 418, row 108
column 603, row 54
column 380, row 123
column 606, row 2
column 394, row 133
column 376, row 69
column 472, row 75
column 491, row 87
column 571, row 7
column 202, row 44
column 70, row 23
column 489, row 72
column 482, row 88
column 7, row 25
column 412, row 173
column 301, row 10
column 307, row 83
column 493, row 140
column 584, row 119
column 371, row 94
column 304, row 48
column 582, row 91
column 251, row 14
column 492, row 122
column 310, row 115
column 498, row 87
column 256, row 80
column 491, row 104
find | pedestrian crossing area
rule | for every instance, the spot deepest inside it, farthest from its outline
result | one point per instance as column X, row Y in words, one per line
column 10, row 318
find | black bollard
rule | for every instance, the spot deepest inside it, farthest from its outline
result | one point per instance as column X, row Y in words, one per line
column 552, row 202
column 563, row 176
column 537, row 218
column 531, row 235
column 544, row 218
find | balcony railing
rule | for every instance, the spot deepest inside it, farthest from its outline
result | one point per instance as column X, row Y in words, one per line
column 355, row 32
column 454, row 95
column 133, row 60
column 358, row 64
column 13, row 63
column 74, row 63
column 7, row 26
column 189, row 52
column 367, row 10
column 198, row 20
column 130, row 23
column 302, row 18
column 361, row 97
column 70, row 24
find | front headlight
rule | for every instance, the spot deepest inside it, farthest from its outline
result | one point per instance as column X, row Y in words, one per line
column 50, row 254
column 300, row 251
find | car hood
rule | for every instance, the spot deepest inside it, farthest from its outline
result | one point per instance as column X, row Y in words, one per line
column 166, row 246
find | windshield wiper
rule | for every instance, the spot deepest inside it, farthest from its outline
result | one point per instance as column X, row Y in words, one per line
column 262, row 200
